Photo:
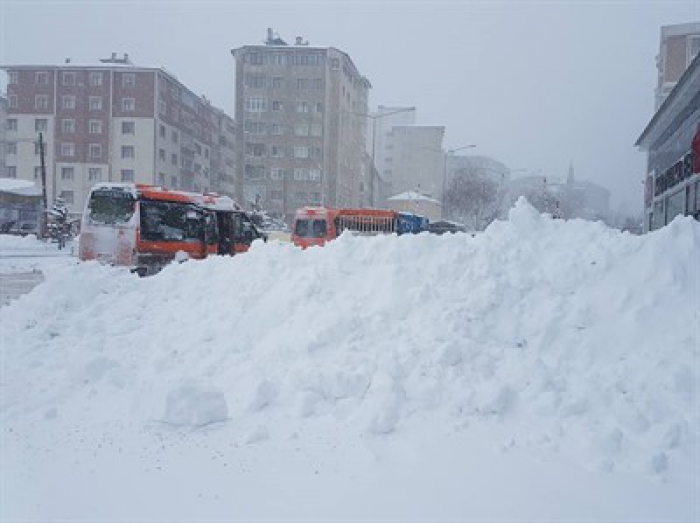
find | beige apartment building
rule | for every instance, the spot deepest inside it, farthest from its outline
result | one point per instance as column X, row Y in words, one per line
column 301, row 114
column 114, row 121
column 679, row 44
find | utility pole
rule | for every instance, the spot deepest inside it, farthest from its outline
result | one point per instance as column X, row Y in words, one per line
column 45, row 201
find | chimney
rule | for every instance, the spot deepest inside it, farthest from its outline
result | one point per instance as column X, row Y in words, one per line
column 67, row 60
column 126, row 58
column 269, row 35
column 298, row 41
column 114, row 57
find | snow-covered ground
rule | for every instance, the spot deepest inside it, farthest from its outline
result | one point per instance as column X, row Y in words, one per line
column 541, row 370
column 19, row 254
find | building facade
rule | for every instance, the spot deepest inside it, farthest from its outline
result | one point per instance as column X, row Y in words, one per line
column 379, row 133
column 3, row 135
column 112, row 121
column 672, row 141
column 301, row 124
column 414, row 160
column 679, row 45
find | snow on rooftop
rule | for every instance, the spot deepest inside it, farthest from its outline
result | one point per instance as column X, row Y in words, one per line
column 21, row 187
column 412, row 196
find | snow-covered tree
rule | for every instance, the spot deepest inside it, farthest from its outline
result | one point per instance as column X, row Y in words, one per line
column 473, row 198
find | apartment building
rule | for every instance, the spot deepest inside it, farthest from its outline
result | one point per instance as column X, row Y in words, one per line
column 111, row 121
column 301, row 115
column 679, row 44
column 3, row 135
column 414, row 160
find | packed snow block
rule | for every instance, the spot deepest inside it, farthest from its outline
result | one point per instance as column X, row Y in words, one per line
column 195, row 405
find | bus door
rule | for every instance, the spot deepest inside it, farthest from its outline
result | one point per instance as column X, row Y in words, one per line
column 224, row 222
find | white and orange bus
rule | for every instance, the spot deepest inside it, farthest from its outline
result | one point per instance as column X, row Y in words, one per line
column 145, row 227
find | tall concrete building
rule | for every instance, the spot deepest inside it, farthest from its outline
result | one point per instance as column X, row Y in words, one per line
column 111, row 121
column 680, row 43
column 379, row 132
column 3, row 135
column 413, row 159
column 301, row 123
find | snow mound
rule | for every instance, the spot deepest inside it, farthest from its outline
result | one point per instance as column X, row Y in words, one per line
column 566, row 339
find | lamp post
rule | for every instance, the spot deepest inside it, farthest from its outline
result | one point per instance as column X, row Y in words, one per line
column 374, row 118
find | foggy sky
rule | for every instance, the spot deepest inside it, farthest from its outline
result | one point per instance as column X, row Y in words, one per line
column 533, row 84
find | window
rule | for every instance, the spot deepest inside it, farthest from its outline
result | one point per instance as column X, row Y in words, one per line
column 302, row 83
column 128, row 151
column 128, row 104
column 301, row 174
column 255, row 58
column 37, row 173
column 254, row 127
column 254, row 172
column 314, row 175
column 315, row 152
column 11, row 124
column 316, row 129
column 11, row 171
column 317, row 83
column 68, row 126
column 41, row 78
column 173, row 182
column 128, row 80
column 162, row 131
column 11, row 148
column 173, row 159
column 301, row 129
column 67, row 102
column 41, row 101
column 277, row 129
column 161, row 155
column 68, row 78
column 67, row 149
column 40, row 125
column 128, row 128
column 161, row 179
column 301, row 152
column 13, row 101
column 95, row 103
column 95, row 127
column 174, row 136
column 277, row 106
column 67, row 196
column 277, row 151
column 37, row 148
column 96, row 79
column 127, row 175
column 256, row 105
column 276, row 173
column 277, row 59
column 67, row 173
column 95, row 150
column 255, row 149
column 255, row 81
column 315, row 197
column 277, row 83
column 303, row 107
column 95, row 174
column 300, row 196
column 162, row 108
column 12, row 77
column 318, row 108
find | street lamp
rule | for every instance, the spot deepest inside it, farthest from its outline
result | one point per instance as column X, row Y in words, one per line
column 374, row 118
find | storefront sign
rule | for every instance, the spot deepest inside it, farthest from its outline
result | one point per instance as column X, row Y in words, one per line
column 678, row 172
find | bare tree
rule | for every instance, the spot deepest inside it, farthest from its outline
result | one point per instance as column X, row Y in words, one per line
column 473, row 198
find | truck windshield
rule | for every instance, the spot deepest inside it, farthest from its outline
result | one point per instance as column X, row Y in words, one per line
column 111, row 207
column 310, row 228
column 171, row 221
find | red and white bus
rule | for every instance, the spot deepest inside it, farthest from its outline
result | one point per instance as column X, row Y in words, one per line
column 144, row 227
column 318, row 225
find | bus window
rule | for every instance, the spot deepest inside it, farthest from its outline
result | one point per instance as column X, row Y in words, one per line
column 318, row 229
column 302, row 228
column 110, row 207
column 170, row 221
column 210, row 229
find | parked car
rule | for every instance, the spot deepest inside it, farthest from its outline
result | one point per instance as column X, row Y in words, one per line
column 443, row 226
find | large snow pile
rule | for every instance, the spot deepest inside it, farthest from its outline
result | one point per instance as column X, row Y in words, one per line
column 27, row 254
column 543, row 369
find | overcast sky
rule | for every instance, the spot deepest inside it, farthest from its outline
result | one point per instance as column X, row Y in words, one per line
column 533, row 84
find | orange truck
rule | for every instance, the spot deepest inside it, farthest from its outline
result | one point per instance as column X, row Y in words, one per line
column 145, row 227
